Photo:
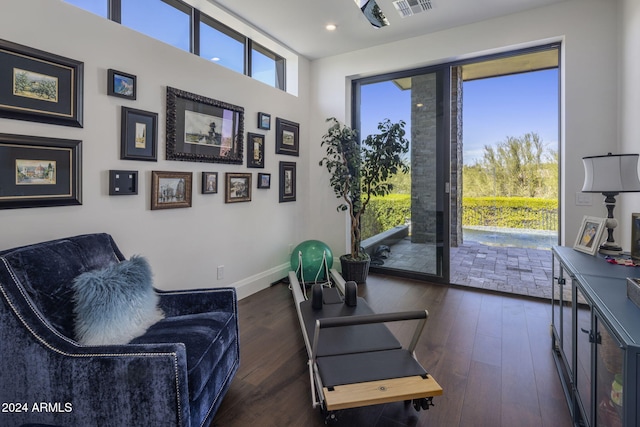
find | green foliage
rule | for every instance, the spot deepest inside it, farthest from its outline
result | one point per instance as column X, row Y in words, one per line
column 385, row 213
column 511, row 212
column 390, row 211
column 360, row 171
column 521, row 167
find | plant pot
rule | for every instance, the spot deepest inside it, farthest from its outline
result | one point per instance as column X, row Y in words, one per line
column 356, row 270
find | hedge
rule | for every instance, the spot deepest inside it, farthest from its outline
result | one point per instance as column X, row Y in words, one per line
column 387, row 212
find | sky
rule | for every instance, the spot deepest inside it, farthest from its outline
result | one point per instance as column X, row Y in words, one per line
column 493, row 109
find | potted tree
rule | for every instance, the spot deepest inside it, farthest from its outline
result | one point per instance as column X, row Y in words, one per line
column 359, row 171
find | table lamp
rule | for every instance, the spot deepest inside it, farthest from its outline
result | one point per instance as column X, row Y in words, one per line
column 610, row 175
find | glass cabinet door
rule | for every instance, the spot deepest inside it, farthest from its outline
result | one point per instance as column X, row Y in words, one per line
column 609, row 374
column 583, row 356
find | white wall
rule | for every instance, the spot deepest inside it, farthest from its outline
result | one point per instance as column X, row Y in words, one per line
column 184, row 246
column 629, row 92
column 587, row 29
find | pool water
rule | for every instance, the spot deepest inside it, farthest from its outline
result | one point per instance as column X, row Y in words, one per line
column 510, row 237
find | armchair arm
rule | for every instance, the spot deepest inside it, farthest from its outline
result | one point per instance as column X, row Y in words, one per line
column 176, row 303
column 57, row 382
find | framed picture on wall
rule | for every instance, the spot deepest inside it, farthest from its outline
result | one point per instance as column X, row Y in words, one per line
column 171, row 190
column 264, row 180
column 590, row 234
column 264, row 121
column 237, row 187
column 121, row 84
column 209, row 182
column 287, row 137
column 255, row 150
column 39, row 86
column 287, row 182
column 201, row 129
column 139, row 135
column 39, row 171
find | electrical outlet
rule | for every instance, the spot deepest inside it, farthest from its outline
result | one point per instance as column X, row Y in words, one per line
column 220, row 272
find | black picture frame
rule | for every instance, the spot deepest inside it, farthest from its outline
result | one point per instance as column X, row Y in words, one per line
column 123, row 183
column 635, row 236
column 39, row 171
column 122, row 85
column 209, row 182
column 255, row 150
column 237, row 187
column 139, row 135
column 287, row 137
column 264, row 121
column 287, row 182
column 170, row 190
column 264, row 180
column 192, row 121
column 39, row 86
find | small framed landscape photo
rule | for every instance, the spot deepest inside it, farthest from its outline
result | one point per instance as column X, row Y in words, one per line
column 139, row 137
column 39, row 86
column 287, row 137
column 39, row 171
column 590, row 234
column 264, row 180
column 264, row 121
column 237, row 187
column 209, row 182
column 171, row 190
column 121, row 84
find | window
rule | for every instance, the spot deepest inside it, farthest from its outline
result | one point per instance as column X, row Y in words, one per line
column 99, row 7
column 267, row 67
column 165, row 20
column 178, row 24
column 222, row 45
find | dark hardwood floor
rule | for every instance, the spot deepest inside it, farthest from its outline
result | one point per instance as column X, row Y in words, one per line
column 490, row 353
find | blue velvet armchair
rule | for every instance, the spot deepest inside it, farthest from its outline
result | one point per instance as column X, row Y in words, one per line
column 175, row 374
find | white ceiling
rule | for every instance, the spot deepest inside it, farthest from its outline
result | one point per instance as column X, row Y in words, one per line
column 299, row 24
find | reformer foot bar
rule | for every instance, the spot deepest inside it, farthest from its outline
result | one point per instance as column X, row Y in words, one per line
column 354, row 359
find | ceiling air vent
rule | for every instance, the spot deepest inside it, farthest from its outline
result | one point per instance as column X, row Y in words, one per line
column 411, row 7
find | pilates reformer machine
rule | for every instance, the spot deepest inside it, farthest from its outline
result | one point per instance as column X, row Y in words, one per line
column 354, row 359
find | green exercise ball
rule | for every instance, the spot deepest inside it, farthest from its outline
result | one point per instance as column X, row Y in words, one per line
column 311, row 252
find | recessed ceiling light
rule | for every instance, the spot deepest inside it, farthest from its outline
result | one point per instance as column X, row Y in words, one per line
column 331, row 27
column 215, row 58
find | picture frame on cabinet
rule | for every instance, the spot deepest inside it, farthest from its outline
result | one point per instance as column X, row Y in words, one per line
column 590, row 234
column 635, row 236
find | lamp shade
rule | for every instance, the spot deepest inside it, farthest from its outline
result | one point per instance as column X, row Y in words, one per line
column 613, row 173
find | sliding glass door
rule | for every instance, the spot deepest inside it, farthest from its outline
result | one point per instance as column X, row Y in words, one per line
column 406, row 232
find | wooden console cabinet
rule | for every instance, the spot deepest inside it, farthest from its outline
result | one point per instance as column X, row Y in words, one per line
column 596, row 339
